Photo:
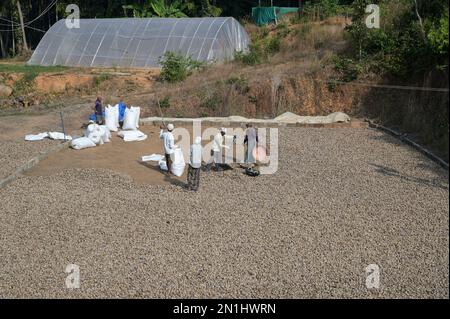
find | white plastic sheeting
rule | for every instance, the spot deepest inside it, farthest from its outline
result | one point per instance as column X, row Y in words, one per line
column 132, row 42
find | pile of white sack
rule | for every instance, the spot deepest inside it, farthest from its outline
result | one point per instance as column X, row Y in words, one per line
column 100, row 134
column 129, row 132
column 94, row 135
column 178, row 163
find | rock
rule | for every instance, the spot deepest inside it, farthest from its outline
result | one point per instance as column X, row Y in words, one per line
column 5, row 91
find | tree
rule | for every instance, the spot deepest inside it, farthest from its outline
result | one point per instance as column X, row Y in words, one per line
column 158, row 8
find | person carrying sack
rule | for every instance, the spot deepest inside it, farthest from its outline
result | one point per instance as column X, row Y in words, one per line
column 169, row 144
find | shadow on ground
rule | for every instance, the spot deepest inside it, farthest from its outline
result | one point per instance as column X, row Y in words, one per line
column 387, row 171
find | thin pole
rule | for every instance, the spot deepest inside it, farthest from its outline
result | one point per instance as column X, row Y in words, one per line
column 62, row 125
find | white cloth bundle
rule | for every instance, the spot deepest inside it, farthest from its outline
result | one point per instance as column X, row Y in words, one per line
column 152, row 158
column 38, row 137
column 132, row 136
column 59, row 136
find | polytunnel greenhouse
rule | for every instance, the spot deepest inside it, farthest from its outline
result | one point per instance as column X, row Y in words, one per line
column 139, row 43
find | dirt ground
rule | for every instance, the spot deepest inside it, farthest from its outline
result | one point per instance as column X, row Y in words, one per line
column 118, row 156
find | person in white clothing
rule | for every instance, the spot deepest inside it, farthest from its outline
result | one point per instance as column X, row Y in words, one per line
column 169, row 144
column 195, row 163
column 216, row 151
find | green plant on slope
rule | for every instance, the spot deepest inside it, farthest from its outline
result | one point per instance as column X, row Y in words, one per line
column 176, row 67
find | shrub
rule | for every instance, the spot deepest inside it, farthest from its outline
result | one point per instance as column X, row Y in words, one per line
column 240, row 83
column 348, row 69
column 260, row 50
column 212, row 102
column 253, row 57
column 176, row 68
column 165, row 102
column 101, row 78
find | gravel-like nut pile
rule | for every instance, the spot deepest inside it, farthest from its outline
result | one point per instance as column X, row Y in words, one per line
column 341, row 200
column 16, row 153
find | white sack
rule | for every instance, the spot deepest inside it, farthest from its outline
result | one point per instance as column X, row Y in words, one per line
column 90, row 129
column 116, row 111
column 132, row 136
column 98, row 134
column 152, row 158
column 137, row 109
column 95, row 138
column 178, row 164
column 129, row 122
column 82, row 143
column 105, row 133
column 112, row 117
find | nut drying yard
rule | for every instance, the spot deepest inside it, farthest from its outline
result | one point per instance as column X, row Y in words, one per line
column 342, row 199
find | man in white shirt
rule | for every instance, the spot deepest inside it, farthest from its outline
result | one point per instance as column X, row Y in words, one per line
column 195, row 163
column 169, row 144
column 216, row 152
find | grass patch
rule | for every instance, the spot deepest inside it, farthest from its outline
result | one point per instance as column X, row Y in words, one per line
column 99, row 79
column 30, row 69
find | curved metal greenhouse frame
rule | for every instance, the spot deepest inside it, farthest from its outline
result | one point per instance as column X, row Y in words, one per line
column 139, row 43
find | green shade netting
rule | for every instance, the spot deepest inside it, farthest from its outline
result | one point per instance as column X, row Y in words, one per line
column 265, row 15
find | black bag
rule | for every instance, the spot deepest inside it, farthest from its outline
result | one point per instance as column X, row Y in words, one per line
column 252, row 172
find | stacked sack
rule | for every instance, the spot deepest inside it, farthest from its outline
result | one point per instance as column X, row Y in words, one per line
column 130, row 132
column 94, row 135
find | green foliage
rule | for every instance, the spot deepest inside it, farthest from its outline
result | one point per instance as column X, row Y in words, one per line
column 252, row 57
column 99, row 79
column 347, row 69
column 263, row 46
column 165, row 102
column 157, row 8
column 399, row 47
column 438, row 35
column 25, row 84
column 176, row 67
column 212, row 101
column 283, row 30
column 321, row 9
column 240, row 83
column 174, row 9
